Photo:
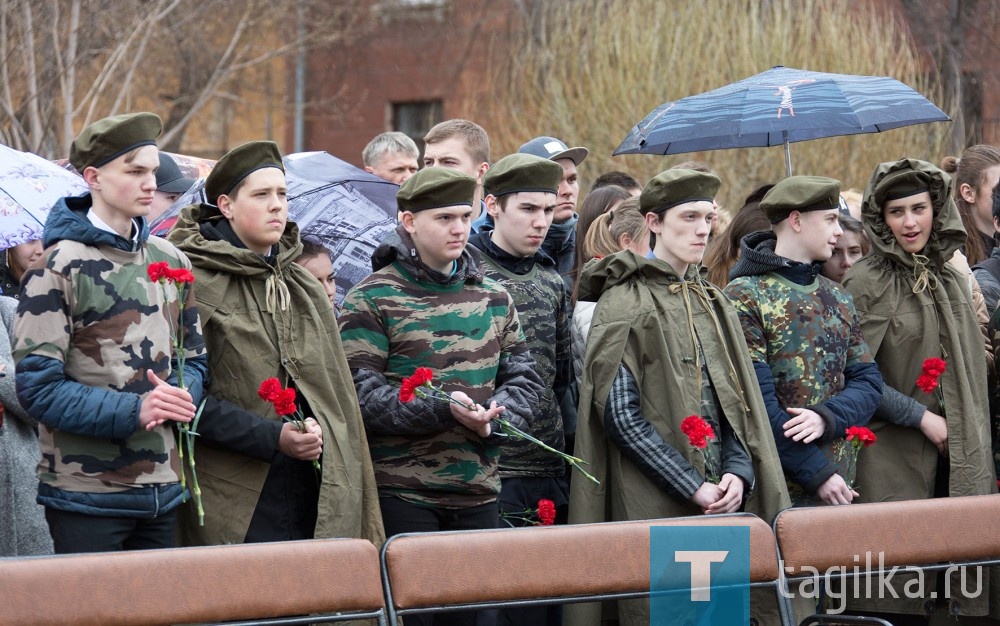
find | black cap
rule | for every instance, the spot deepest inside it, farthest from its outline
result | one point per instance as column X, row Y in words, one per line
column 552, row 148
column 169, row 178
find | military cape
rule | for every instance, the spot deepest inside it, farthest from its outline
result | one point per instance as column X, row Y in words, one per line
column 903, row 326
column 644, row 318
column 300, row 343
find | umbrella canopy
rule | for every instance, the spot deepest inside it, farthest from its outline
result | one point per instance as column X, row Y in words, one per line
column 778, row 107
column 345, row 208
column 29, row 186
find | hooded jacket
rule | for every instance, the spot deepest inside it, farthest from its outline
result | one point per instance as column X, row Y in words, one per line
column 263, row 318
column 787, row 309
column 89, row 325
column 464, row 327
column 913, row 307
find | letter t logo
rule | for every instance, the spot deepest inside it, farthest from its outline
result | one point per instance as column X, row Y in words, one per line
column 701, row 570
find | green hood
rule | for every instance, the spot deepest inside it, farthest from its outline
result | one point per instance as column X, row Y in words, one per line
column 907, row 316
column 948, row 234
column 262, row 318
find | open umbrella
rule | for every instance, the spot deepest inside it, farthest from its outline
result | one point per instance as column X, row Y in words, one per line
column 349, row 210
column 29, row 186
column 778, row 107
column 345, row 208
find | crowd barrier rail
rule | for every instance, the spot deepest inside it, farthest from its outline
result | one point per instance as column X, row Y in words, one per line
column 328, row 580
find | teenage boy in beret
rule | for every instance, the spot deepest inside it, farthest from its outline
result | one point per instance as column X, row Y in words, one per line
column 521, row 200
column 266, row 316
column 664, row 345
column 428, row 304
column 94, row 355
column 816, row 372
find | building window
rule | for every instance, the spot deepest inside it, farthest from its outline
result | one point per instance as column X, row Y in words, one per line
column 390, row 11
column 416, row 118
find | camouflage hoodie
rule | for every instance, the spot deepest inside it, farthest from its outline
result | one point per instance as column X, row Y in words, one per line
column 85, row 386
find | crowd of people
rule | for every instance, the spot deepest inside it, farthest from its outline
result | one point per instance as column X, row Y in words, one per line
column 602, row 327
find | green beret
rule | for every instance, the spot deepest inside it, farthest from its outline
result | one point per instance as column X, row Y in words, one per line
column 522, row 172
column 901, row 184
column 239, row 163
column 677, row 186
column 436, row 188
column 802, row 194
column 105, row 140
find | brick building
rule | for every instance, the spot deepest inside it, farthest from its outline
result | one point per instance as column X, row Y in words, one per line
column 423, row 61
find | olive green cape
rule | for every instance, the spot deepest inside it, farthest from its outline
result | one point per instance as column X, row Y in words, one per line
column 646, row 317
column 913, row 307
column 262, row 321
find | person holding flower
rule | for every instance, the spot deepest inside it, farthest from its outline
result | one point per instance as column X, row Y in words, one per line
column 816, row 373
column 913, row 306
column 521, row 199
column 267, row 317
column 428, row 307
column 94, row 352
column 665, row 345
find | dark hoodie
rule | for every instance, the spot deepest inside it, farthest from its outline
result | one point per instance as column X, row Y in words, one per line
column 841, row 383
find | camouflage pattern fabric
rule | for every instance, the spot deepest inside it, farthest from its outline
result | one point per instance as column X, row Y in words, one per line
column 393, row 324
column 95, row 310
column 540, row 299
column 808, row 335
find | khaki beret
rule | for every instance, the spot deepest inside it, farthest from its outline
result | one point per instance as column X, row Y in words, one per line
column 522, row 172
column 901, row 184
column 800, row 193
column 105, row 140
column 677, row 186
column 436, row 188
column 239, row 163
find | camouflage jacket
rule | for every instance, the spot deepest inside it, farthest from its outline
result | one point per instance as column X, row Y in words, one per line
column 539, row 295
column 805, row 340
column 465, row 328
column 89, row 325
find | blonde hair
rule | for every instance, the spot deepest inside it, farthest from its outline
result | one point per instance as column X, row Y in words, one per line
column 605, row 234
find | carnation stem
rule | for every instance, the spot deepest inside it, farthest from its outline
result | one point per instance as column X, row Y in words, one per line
column 300, row 425
column 189, row 433
column 509, row 429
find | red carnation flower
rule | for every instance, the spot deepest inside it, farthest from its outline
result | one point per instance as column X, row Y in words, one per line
column 407, row 391
column 422, row 376
column 546, row 512
column 158, row 271
column 269, row 389
column 180, row 276
column 927, row 383
column 862, row 434
column 934, row 367
column 699, row 431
